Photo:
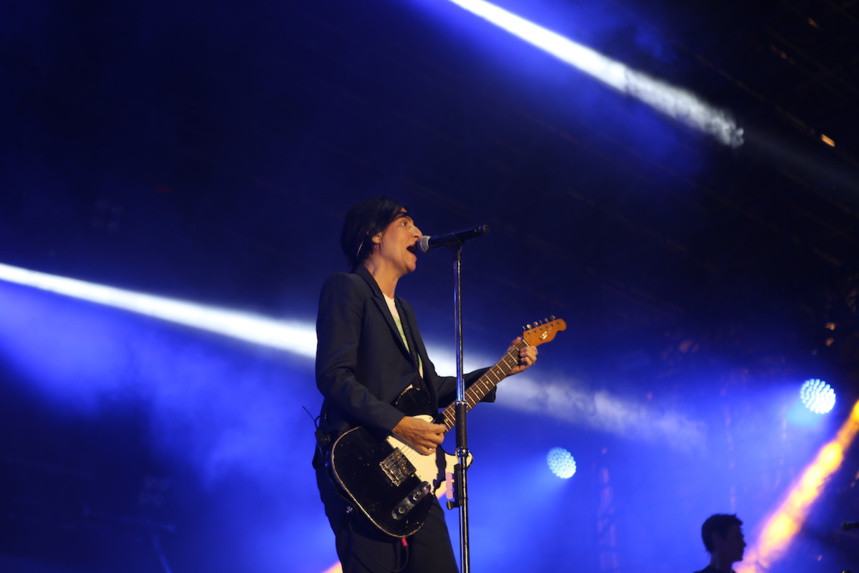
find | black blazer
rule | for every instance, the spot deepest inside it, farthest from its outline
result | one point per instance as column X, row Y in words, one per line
column 362, row 364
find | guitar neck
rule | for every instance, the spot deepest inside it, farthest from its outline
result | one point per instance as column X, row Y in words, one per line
column 484, row 385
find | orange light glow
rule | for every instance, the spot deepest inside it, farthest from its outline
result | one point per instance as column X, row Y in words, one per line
column 779, row 530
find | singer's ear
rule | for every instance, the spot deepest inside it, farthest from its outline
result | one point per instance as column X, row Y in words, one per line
column 377, row 238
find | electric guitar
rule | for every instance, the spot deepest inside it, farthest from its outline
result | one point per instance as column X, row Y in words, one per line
column 389, row 481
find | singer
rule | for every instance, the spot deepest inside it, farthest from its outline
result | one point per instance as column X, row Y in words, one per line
column 369, row 355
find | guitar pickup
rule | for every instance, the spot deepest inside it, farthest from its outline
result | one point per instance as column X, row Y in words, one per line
column 410, row 501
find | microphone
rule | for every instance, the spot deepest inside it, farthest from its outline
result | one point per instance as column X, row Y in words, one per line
column 845, row 525
column 454, row 239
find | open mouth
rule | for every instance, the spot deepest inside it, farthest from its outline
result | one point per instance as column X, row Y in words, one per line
column 413, row 249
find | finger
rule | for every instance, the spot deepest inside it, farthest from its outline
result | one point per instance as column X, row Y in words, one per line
column 528, row 355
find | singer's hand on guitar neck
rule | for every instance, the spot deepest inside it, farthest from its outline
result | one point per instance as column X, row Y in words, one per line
column 527, row 357
column 423, row 436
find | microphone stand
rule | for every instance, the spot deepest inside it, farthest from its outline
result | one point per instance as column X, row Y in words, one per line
column 461, row 408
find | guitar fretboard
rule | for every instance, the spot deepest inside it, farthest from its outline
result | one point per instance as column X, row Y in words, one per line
column 484, row 385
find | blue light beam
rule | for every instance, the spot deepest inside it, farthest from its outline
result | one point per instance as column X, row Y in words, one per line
column 674, row 102
column 293, row 336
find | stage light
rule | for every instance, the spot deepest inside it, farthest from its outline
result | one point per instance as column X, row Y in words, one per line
column 817, row 396
column 674, row 102
column 561, row 462
column 296, row 337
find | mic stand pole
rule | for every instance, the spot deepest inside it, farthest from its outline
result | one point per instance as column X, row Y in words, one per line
column 462, row 453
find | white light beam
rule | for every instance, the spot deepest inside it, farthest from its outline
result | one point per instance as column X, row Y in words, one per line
column 672, row 101
column 293, row 336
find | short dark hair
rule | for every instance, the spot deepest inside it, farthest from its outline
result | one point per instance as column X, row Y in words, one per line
column 718, row 523
column 364, row 220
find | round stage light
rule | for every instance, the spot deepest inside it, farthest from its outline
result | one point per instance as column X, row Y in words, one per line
column 817, row 396
column 561, row 462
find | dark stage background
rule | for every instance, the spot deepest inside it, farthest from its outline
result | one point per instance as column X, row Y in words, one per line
column 207, row 152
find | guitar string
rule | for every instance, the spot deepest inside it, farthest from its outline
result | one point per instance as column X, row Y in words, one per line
column 472, row 394
column 482, row 387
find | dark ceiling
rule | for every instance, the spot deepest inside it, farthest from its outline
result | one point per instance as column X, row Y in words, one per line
column 208, row 152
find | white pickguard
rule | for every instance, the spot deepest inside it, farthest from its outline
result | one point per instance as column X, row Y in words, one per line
column 426, row 468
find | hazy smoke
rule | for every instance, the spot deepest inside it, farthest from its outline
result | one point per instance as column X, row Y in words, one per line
column 603, row 411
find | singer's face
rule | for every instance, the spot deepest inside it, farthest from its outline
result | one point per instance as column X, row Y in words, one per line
column 398, row 244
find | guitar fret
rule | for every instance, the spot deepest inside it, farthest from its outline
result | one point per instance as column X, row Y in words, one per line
column 491, row 378
column 477, row 391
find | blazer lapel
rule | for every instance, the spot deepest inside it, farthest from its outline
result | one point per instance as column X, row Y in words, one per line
column 382, row 305
column 408, row 330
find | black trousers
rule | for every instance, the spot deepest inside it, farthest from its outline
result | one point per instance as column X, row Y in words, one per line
column 362, row 548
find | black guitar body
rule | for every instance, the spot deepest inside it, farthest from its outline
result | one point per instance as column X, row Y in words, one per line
column 396, row 501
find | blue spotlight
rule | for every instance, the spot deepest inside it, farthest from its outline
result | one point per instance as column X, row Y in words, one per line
column 674, row 102
column 561, row 462
column 817, row 396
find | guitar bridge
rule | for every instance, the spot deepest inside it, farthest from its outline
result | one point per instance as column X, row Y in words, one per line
column 397, row 467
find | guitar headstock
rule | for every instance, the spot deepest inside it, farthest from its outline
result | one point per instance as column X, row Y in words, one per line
column 536, row 334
